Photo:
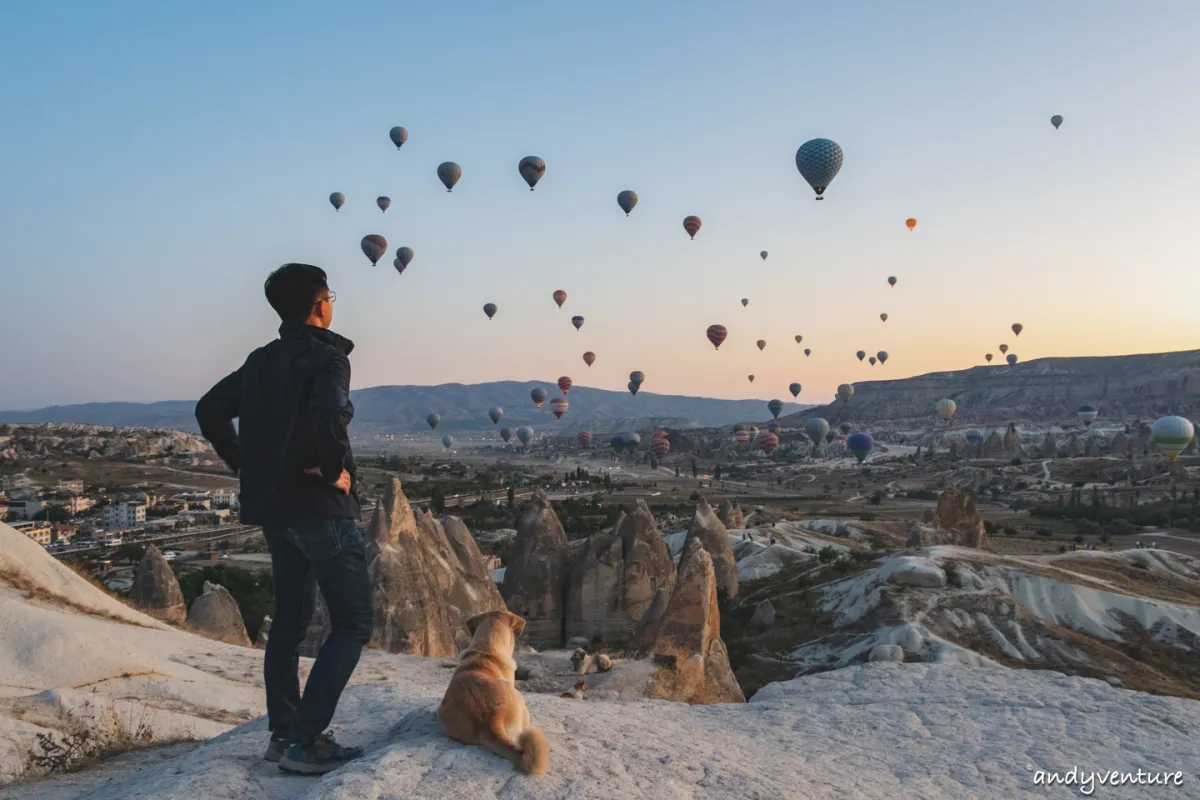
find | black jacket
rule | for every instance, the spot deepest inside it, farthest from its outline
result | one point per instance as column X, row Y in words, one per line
column 292, row 402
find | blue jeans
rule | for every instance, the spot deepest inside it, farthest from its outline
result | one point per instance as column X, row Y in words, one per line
column 330, row 554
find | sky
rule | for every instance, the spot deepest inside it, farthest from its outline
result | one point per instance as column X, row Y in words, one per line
column 161, row 158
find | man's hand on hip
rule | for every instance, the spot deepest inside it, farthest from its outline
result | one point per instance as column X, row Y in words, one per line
column 343, row 481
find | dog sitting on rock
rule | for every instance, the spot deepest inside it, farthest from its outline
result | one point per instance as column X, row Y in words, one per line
column 583, row 663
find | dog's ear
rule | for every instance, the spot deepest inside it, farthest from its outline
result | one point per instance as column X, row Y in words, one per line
column 517, row 623
column 475, row 621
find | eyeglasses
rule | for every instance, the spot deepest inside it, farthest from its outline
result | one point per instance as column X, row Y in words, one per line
column 332, row 298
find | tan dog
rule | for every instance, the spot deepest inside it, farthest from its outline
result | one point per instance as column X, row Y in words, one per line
column 482, row 705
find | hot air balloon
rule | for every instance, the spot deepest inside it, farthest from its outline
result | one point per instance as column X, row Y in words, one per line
column 751, row 378
column 564, row 384
column 404, row 255
column 753, row 430
column 775, row 406
column 589, row 358
column 882, row 356
column 1003, row 349
column 532, row 169
column 584, row 439
column 872, row 360
column 539, row 396
column 617, row 441
column 559, row 406
column 860, row 445
column 988, row 357
column 1011, row 358
column 433, row 420
column 974, row 436
column 741, row 437
column 447, row 441
column 946, row 408
column 861, row 354
column 1087, row 414
column 845, row 428
column 799, row 338
column 845, row 391
column 383, row 203
column 1056, row 120
column 338, row 200
column 819, row 161
column 716, row 334
column 745, row 302
column 807, row 352
column 577, row 322
column 816, row 428
column 762, row 344
column 495, row 413
column 627, row 200
column 632, row 387
column 774, row 428
column 1172, row 435
column 637, row 378
column 524, row 434
column 892, row 281
column 768, row 443
column 398, row 266
column 911, row 222
column 883, row 316
column 398, row 136
column 1017, row 328
column 691, row 225
column 660, row 447
column 560, row 297
column 448, row 173
column 764, row 255
column 632, row 440
column 374, row 247
column 794, row 388
column 489, row 309
column 506, row 433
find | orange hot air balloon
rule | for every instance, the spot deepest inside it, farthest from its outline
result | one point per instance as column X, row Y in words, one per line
column 716, row 335
column 911, row 222
column 691, row 225
column 560, row 297
column 589, row 358
column 564, row 384
column 1017, row 328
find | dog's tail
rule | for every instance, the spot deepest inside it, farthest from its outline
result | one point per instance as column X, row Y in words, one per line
column 530, row 753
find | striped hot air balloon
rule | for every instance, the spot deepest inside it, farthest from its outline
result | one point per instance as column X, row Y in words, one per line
column 691, row 225
column 716, row 334
column 1172, row 435
column 741, row 437
column 559, row 406
column 660, row 447
column 584, row 439
column 768, row 443
column 564, row 384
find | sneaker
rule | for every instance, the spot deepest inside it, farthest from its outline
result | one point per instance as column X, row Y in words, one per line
column 321, row 756
column 276, row 747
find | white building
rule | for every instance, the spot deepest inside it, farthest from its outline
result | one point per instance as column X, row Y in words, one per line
column 228, row 497
column 38, row 531
column 124, row 515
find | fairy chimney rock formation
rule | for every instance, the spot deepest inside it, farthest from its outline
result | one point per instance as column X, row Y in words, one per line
column 155, row 589
column 956, row 514
column 731, row 515
column 537, row 571
column 216, row 614
column 711, row 533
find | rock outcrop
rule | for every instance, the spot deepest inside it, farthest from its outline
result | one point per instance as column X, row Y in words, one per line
column 764, row 615
column 1011, row 440
column 264, row 632
column 155, row 589
column 731, row 515
column 536, row 575
column 711, row 533
column 615, row 577
column 216, row 615
column 956, row 513
column 692, row 659
column 646, row 630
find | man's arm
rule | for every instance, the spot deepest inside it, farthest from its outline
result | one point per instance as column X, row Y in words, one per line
column 216, row 411
column 329, row 400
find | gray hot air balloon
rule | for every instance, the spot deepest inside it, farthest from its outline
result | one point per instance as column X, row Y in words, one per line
column 1011, row 358
column 794, row 388
column 404, row 255
column 845, row 428
column 637, row 378
column 338, row 200
column 775, row 406
column 861, row 354
column 1056, row 120
column 532, row 169
column 524, row 433
column 764, row 255
column 448, row 173
column 816, row 428
column 447, row 441
column 627, row 200
column 398, row 136
column 495, row 413
column 374, row 247
column 506, row 434
column 489, row 309
column 819, row 161
column 433, row 420
column 539, row 396
column 632, row 387
column 883, row 356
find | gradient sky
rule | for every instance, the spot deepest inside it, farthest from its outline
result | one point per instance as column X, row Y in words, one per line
column 160, row 158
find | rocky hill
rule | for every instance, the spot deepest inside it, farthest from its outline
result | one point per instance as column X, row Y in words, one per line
column 1042, row 390
column 95, row 441
column 463, row 408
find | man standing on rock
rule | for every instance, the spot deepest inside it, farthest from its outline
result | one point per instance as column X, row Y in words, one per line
column 292, row 453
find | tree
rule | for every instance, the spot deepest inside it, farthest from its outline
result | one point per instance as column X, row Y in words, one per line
column 695, row 474
column 717, row 472
column 129, row 552
column 512, row 498
column 608, row 481
column 437, row 500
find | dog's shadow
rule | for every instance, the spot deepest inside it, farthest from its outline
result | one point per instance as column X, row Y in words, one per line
column 419, row 723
